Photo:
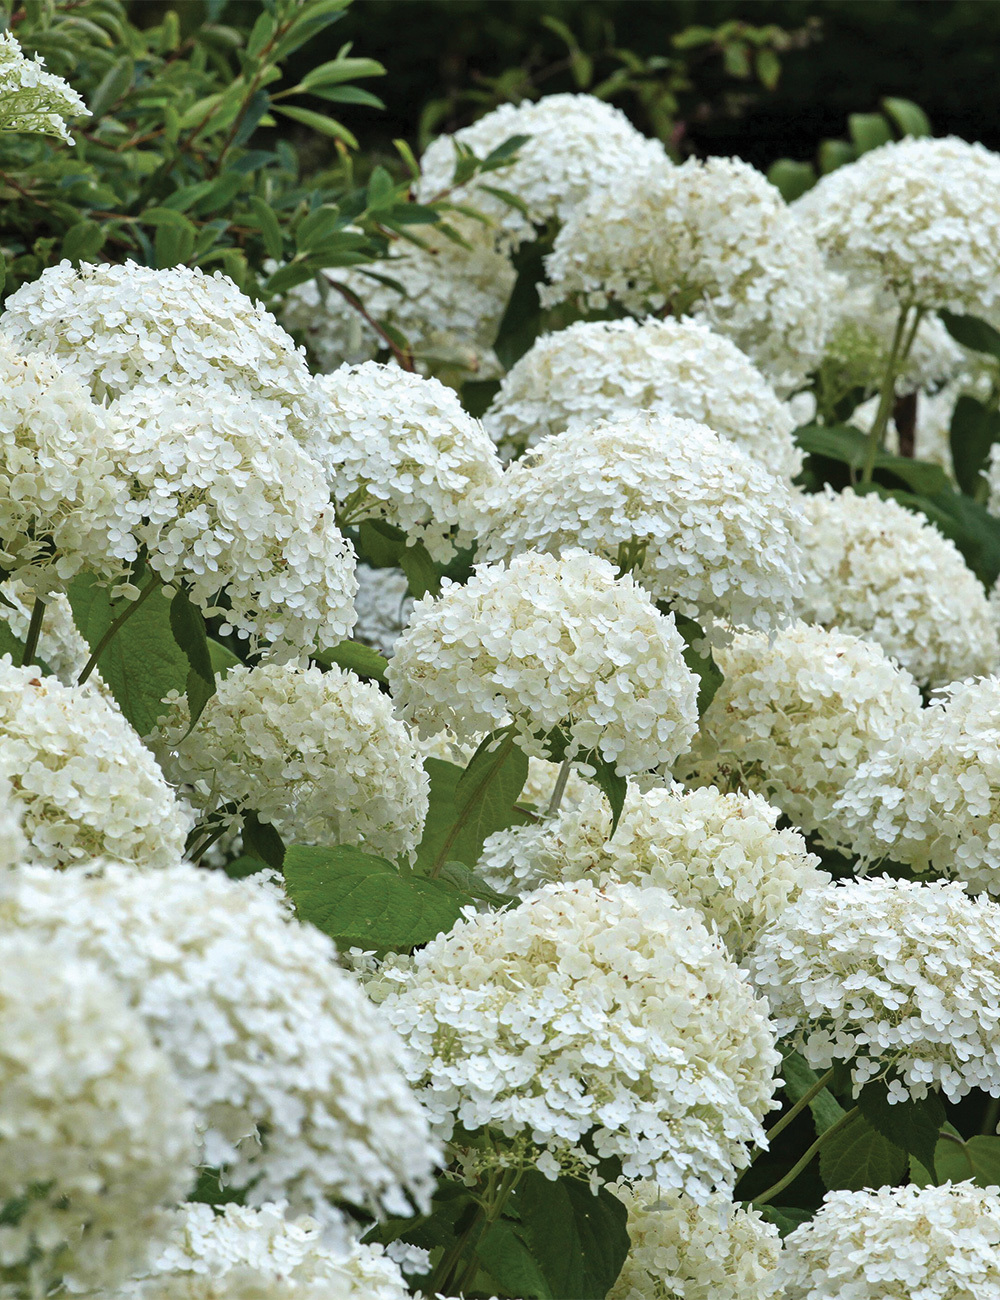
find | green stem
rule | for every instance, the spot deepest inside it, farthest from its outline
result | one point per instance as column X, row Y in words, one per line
column 509, row 1181
column 887, row 393
column 805, row 1159
column 799, row 1106
column 34, row 632
column 112, row 631
column 198, row 853
column 560, row 788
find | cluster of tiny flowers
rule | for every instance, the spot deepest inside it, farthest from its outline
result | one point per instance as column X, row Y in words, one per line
column 600, row 370
column 681, row 1250
column 32, row 99
column 319, row 755
column 95, row 1135
column 712, row 237
column 796, row 716
column 720, row 854
column 585, row 1011
column 896, row 978
column 551, row 646
column 919, row 218
column 882, row 572
column 60, row 646
column 701, row 525
column 83, row 781
column 401, row 448
column 931, row 796
column 578, row 144
column 382, row 605
column 13, row 845
column 225, row 502
column 236, row 1253
column 897, row 1243
column 297, row 1083
column 62, row 506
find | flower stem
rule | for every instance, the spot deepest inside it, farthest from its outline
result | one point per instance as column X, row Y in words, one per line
column 805, row 1159
column 33, row 633
column 112, row 631
column 560, row 788
column 800, row 1105
column 902, row 341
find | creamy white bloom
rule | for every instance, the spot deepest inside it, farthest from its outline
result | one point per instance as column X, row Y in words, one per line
column 795, row 717
column 549, row 645
column 383, row 606
column 119, row 326
column 720, row 854
column 60, row 646
column 32, row 99
column 897, row 1243
column 699, row 523
column 892, row 977
column 712, row 237
column 918, row 217
column 599, row 370
column 317, row 754
column 882, row 572
column 95, row 1135
column 62, row 505
column 578, row 144
column 83, row 782
column 585, row 1011
column 13, row 845
column 685, row 1251
column 930, row 797
column 297, row 1082
column 398, row 447
column 227, row 504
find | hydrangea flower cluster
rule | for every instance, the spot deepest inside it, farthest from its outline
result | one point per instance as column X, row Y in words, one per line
column 83, row 783
column 32, row 99
column 383, row 606
column 401, row 448
column 896, row 978
column 601, row 370
column 12, row 841
column 584, row 1013
column 296, row 1081
column 549, row 646
column 712, row 237
column 681, row 1250
column 60, row 646
column 317, row 754
column 795, row 717
column 882, row 572
column 939, row 1243
column 700, row 525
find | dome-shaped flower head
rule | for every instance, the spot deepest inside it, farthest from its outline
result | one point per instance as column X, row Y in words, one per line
column 794, row 718
column 591, row 1021
column 32, row 99
column 551, row 646
column 319, row 755
column 897, row 1243
column 401, row 448
column 61, row 647
column 712, row 237
column 297, row 1083
column 919, row 218
column 701, row 525
column 890, row 977
column 882, row 572
column 600, row 370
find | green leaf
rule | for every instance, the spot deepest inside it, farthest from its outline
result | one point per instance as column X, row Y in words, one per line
column 792, row 179
column 318, row 122
column 522, row 318
column 974, row 430
column 910, row 118
column 868, row 131
column 421, row 572
column 262, row 841
column 338, row 70
column 768, row 68
column 858, row 1157
column 459, row 875
column 850, row 446
column 505, row 152
column 380, row 544
column 799, row 1078
column 112, row 86
column 614, row 786
column 381, row 190
column 911, row 1125
column 957, row 1158
column 786, row 1218
column 361, row 659
column 578, row 1240
column 83, row 241
column 834, row 154
column 509, row 1261
column 702, row 665
column 360, row 900
column 457, row 822
column 268, row 225
column 972, row 333
column 187, row 624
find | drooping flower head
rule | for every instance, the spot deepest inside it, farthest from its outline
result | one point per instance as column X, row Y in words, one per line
column 32, row 99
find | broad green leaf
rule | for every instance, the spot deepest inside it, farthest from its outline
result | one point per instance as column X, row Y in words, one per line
column 858, row 1157
column 844, row 443
column 701, row 664
column 188, row 627
column 956, row 1159
column 522, row 318
column 422, row 573
column 912, row 1125
column 578, row 1240
column 508, row 1259
column 786, row 1218
column 261, row 840
column 360, row 659
column 83, row 241
column 614, row 786
column 455, row 830
column 972, row 333
column 974, row 430
column 799, row 1078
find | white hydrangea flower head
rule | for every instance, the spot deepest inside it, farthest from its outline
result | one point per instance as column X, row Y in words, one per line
column 13, row 846
column 882, row 572
column 578, row 144
column 894, row 1243
column 720, row 854
column 599, row 370
column 931, row 796
column 549, row 645
column 237, row 1253
column 81, row 778
column 398, row 447
column 383, row 606
column 62, row 505
column 317, row 754
column 60, row 646
column 225, row 502
column 32, row 99
column 681, row 1250
column 795, row 717
column 122, row 326
column 920, row 218
column 95, row 1134
column 297, row 1082
column 896, row 978
column 713, row 238
column 561, row 1017
column 714, row 533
